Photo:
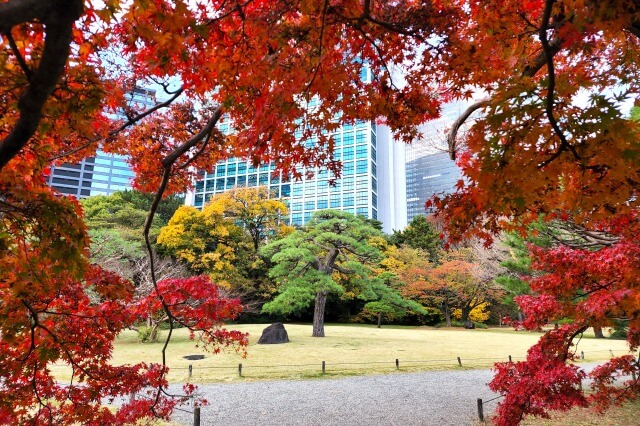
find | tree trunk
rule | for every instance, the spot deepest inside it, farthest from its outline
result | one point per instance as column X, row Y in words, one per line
column 153, row 336
column 379, row 319
column 598, row 332
column 464, row 316
column 318, row 314
column 447, row 313
column 520, row 316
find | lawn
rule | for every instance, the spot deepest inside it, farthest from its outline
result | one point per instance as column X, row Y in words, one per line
column 627, row 414
column 347, row 350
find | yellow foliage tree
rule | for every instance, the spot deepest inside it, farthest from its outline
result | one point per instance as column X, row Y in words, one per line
column 223, row 239
column 477, row 314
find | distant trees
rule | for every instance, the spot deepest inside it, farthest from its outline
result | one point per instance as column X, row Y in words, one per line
column 115, row 225
column 420, row 234
column 456, row 283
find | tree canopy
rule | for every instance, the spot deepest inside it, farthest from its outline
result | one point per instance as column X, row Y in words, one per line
column 307, row 262
column 550, row 137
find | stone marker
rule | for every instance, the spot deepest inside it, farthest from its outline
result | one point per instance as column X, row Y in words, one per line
column 273, row 334
column 469, row 324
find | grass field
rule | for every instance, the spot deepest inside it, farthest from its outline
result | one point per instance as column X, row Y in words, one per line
column 347, row 350
column 625, row 415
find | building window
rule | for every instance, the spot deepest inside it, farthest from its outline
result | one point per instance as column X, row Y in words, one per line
column 297, row 190
column 309, row 205
column 362, row 198
column 296, row 206
column 362, row 211
column 347, row 183
column 231, row 169
column 242, row 168
column 347, row 154
column 264, row 179
column 361, row 182
column 347, row 168
column 309, row 188
column 347, row 201
column 374, row 201
column 361, row 151
column 286, row 190
column 323, row 203
column 361, row 167
column 252, row 180
column 347, row 139
column 335, row 201
column 296, row 219
column 221, row 170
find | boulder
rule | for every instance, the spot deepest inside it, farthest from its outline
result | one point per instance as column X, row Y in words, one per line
column 469, row 324
column 273, row 334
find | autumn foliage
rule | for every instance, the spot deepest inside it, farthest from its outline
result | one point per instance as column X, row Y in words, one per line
column 550, row 137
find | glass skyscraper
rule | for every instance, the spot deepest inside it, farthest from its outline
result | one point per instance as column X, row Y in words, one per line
column 429, row 169
column 357, row 191
column 104, row 173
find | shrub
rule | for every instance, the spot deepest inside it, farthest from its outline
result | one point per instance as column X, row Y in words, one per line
column 144, row 334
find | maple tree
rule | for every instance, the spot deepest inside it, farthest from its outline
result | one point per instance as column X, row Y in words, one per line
column 274, row 67
column 66, row 69
column 456, row 284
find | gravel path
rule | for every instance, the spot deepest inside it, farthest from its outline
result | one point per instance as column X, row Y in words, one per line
column 430, row 398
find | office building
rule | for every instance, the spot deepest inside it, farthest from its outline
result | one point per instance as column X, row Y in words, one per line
column 371, row 185
column 104, row 173
column 429, row 169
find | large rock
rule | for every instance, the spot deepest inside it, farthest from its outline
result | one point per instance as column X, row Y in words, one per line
column 469, row 324
column 275, row 333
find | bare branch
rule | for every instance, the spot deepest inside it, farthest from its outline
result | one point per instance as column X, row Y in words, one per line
column 453, row 133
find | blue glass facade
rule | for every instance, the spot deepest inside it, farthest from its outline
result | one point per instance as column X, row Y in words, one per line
column 355, row 191
column 104, row 173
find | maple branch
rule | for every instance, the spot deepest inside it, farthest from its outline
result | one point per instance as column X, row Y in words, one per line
column 58, row 17
column 548, row 53
column 130, row 121
column 320, row 39
column 18, row 55
column 453, row 133
column 167, row 164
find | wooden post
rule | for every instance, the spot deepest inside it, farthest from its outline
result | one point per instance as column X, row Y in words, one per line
column 323, row 367
column 190, row 370
column 397, row 364
column 612, row 355
column 582, row 354
column 196, row 416
column 633, row 376
column 580, row 384
column 459, row 362
column 240, row 370
column 480, row 412
column 510, row 358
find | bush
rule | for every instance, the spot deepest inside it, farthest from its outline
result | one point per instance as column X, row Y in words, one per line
column 144, row 334
column 620, row 329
